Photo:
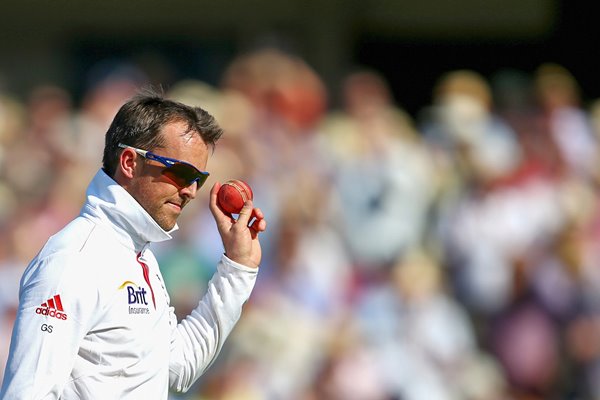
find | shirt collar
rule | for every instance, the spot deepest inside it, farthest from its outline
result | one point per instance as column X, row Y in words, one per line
column 110, row 204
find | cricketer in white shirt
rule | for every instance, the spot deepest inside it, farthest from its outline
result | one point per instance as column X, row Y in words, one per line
column 94, row 319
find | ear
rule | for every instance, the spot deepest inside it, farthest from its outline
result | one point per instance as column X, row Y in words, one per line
column 126, row 166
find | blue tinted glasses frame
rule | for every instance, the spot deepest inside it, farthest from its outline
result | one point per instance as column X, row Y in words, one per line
column 182, row 173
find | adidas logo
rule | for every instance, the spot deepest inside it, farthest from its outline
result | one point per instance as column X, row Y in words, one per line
column 52, row 307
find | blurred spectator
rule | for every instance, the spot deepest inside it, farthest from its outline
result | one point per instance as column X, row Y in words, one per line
column 109, row 84
column 489, row 212
column 384, row 176
column 463, row 129
column 421, row 335
column 559, row 99
column 12, row 266
column 12, row 119
column 281, row 85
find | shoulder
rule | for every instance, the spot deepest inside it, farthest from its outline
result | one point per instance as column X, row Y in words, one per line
column 75, row 261
column 82, row 236
column 82, row 244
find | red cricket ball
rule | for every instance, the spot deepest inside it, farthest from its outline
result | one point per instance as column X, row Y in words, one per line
column 233, row 194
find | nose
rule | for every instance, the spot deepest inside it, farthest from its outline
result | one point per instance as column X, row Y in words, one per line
column 189, row 191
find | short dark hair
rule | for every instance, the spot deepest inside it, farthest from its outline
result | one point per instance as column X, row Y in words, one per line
column 140, row 120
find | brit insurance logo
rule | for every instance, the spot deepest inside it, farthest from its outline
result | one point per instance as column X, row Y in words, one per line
column 136, row 298
column 53, row 308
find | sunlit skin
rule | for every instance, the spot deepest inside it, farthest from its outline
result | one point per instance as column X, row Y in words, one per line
column 164, row 200
column 159, row 196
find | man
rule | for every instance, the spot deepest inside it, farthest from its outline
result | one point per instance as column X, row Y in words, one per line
column 94, row 320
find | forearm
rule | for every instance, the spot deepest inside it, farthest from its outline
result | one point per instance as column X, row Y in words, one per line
column 197, row 340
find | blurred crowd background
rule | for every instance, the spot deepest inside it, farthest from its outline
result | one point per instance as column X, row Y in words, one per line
column 447, row 252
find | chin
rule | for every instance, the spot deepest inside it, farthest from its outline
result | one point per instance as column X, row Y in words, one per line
column 167, row 226
column 165, row 223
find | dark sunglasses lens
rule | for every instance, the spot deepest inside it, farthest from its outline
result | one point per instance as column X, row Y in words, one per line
column 184, row 175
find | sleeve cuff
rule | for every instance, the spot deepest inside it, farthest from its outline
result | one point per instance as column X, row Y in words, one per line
column 230, row 263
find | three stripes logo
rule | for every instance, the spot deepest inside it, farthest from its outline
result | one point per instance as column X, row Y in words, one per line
column 52, row 307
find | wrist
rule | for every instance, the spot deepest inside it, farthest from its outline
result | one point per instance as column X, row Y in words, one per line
column 246, row 262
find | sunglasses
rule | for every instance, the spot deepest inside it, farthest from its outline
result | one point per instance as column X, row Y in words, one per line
column 182, row 173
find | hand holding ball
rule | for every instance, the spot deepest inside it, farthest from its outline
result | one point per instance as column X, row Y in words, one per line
column 240, row 235
column 233, row 194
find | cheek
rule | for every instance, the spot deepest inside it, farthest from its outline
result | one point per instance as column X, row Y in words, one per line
column 151, row 189
column 139, row 193
column 147, row 193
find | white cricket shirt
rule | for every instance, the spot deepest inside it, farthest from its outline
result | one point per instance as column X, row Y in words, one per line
column 94, row 320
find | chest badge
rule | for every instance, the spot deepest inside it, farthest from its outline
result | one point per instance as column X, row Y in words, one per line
column 136, row 298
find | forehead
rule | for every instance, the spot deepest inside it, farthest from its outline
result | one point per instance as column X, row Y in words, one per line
column 183, row 144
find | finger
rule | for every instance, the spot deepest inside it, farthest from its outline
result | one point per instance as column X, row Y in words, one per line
column 246, row 213
column 213, row 196
column 257, row 213
column 258, row 225
column 257, row 216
